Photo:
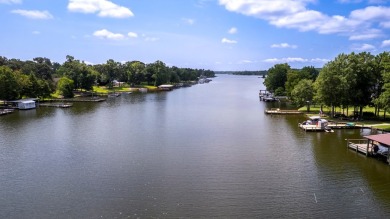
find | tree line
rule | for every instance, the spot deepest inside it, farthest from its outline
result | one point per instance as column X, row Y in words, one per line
column 350, row 80
column 41, row 77
column 260, row 73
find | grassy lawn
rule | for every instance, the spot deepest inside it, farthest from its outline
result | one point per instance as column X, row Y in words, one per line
column 384, row 127
column 106, row 90
column 327, row 110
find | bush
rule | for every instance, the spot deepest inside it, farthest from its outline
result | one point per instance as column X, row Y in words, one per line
column 279, row 91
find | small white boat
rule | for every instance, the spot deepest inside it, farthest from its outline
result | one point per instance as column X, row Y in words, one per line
column 114, row 95
column 315, row 123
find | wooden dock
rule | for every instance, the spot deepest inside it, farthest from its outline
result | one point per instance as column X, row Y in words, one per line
column 78, row 100
column 333, row 125
column 277, row 111
column 5, row 111
column 360, row 146
column 57, row 105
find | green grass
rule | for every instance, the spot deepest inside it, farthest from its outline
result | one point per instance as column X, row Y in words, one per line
column 316, row 109
column 106, row 90
column 383, row 127
column 55, row 95
column 100, row 89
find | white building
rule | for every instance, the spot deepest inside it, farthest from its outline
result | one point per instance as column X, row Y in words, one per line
column 26, row 104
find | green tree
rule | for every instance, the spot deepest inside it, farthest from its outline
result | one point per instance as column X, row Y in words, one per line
column 82, row 75
column 331, row 85
column 311, row 72
column 160, row 73
column 65, row 87
column 15, row 64
column 361, row 79
column 9, row 87
column 44, row 68
column 383, row 96
column 293, row 78
column 87, row 77
column 45, row 89
column 380, row 61
column 71, row 70
column 175, row 71
column 110, row 71
column 303, row 93
column 3, row 60
column 135, row 72
column 277, row 77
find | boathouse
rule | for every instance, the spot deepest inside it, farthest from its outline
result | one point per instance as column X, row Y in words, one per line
column 166, row 87
column 381, row 145
column 372, row 145
column 24, row 104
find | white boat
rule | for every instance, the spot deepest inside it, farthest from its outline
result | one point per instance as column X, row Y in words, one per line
column 315, row 123
column 114, row 95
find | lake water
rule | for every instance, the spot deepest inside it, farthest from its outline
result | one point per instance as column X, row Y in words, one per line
column 206, row 151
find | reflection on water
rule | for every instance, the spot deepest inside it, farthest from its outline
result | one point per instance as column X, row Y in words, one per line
column 204, row 151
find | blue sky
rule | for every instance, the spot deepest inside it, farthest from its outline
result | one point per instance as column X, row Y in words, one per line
column 208, row 34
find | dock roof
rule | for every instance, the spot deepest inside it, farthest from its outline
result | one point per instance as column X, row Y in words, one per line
column 381, row 138
column 23, row 100
column 166, row 86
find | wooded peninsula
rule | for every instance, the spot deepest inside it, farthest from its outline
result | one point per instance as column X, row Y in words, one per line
column 42, row 78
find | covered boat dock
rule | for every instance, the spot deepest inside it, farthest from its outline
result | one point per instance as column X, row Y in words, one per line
column 372, row 145
column 23, row 104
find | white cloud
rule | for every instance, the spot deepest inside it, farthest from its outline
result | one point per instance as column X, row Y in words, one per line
column 296, row 15
column 151, row 39
column 35, row 32
column 87, row 62
column 105, row 34
column 284, row 45
column 225, row 40
column 188, row 21
column 385, row 24
column 365, row 36
column 386, row 43
column 132, row 34
column 233, row 30
column 295, row 59
column 319, row 60
column 246, row 62
column 10, row 1
column 363, row 47
column 285, row 60
column 264, row 8
column 33, row 14
column 104, row 8
column 371, row 13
